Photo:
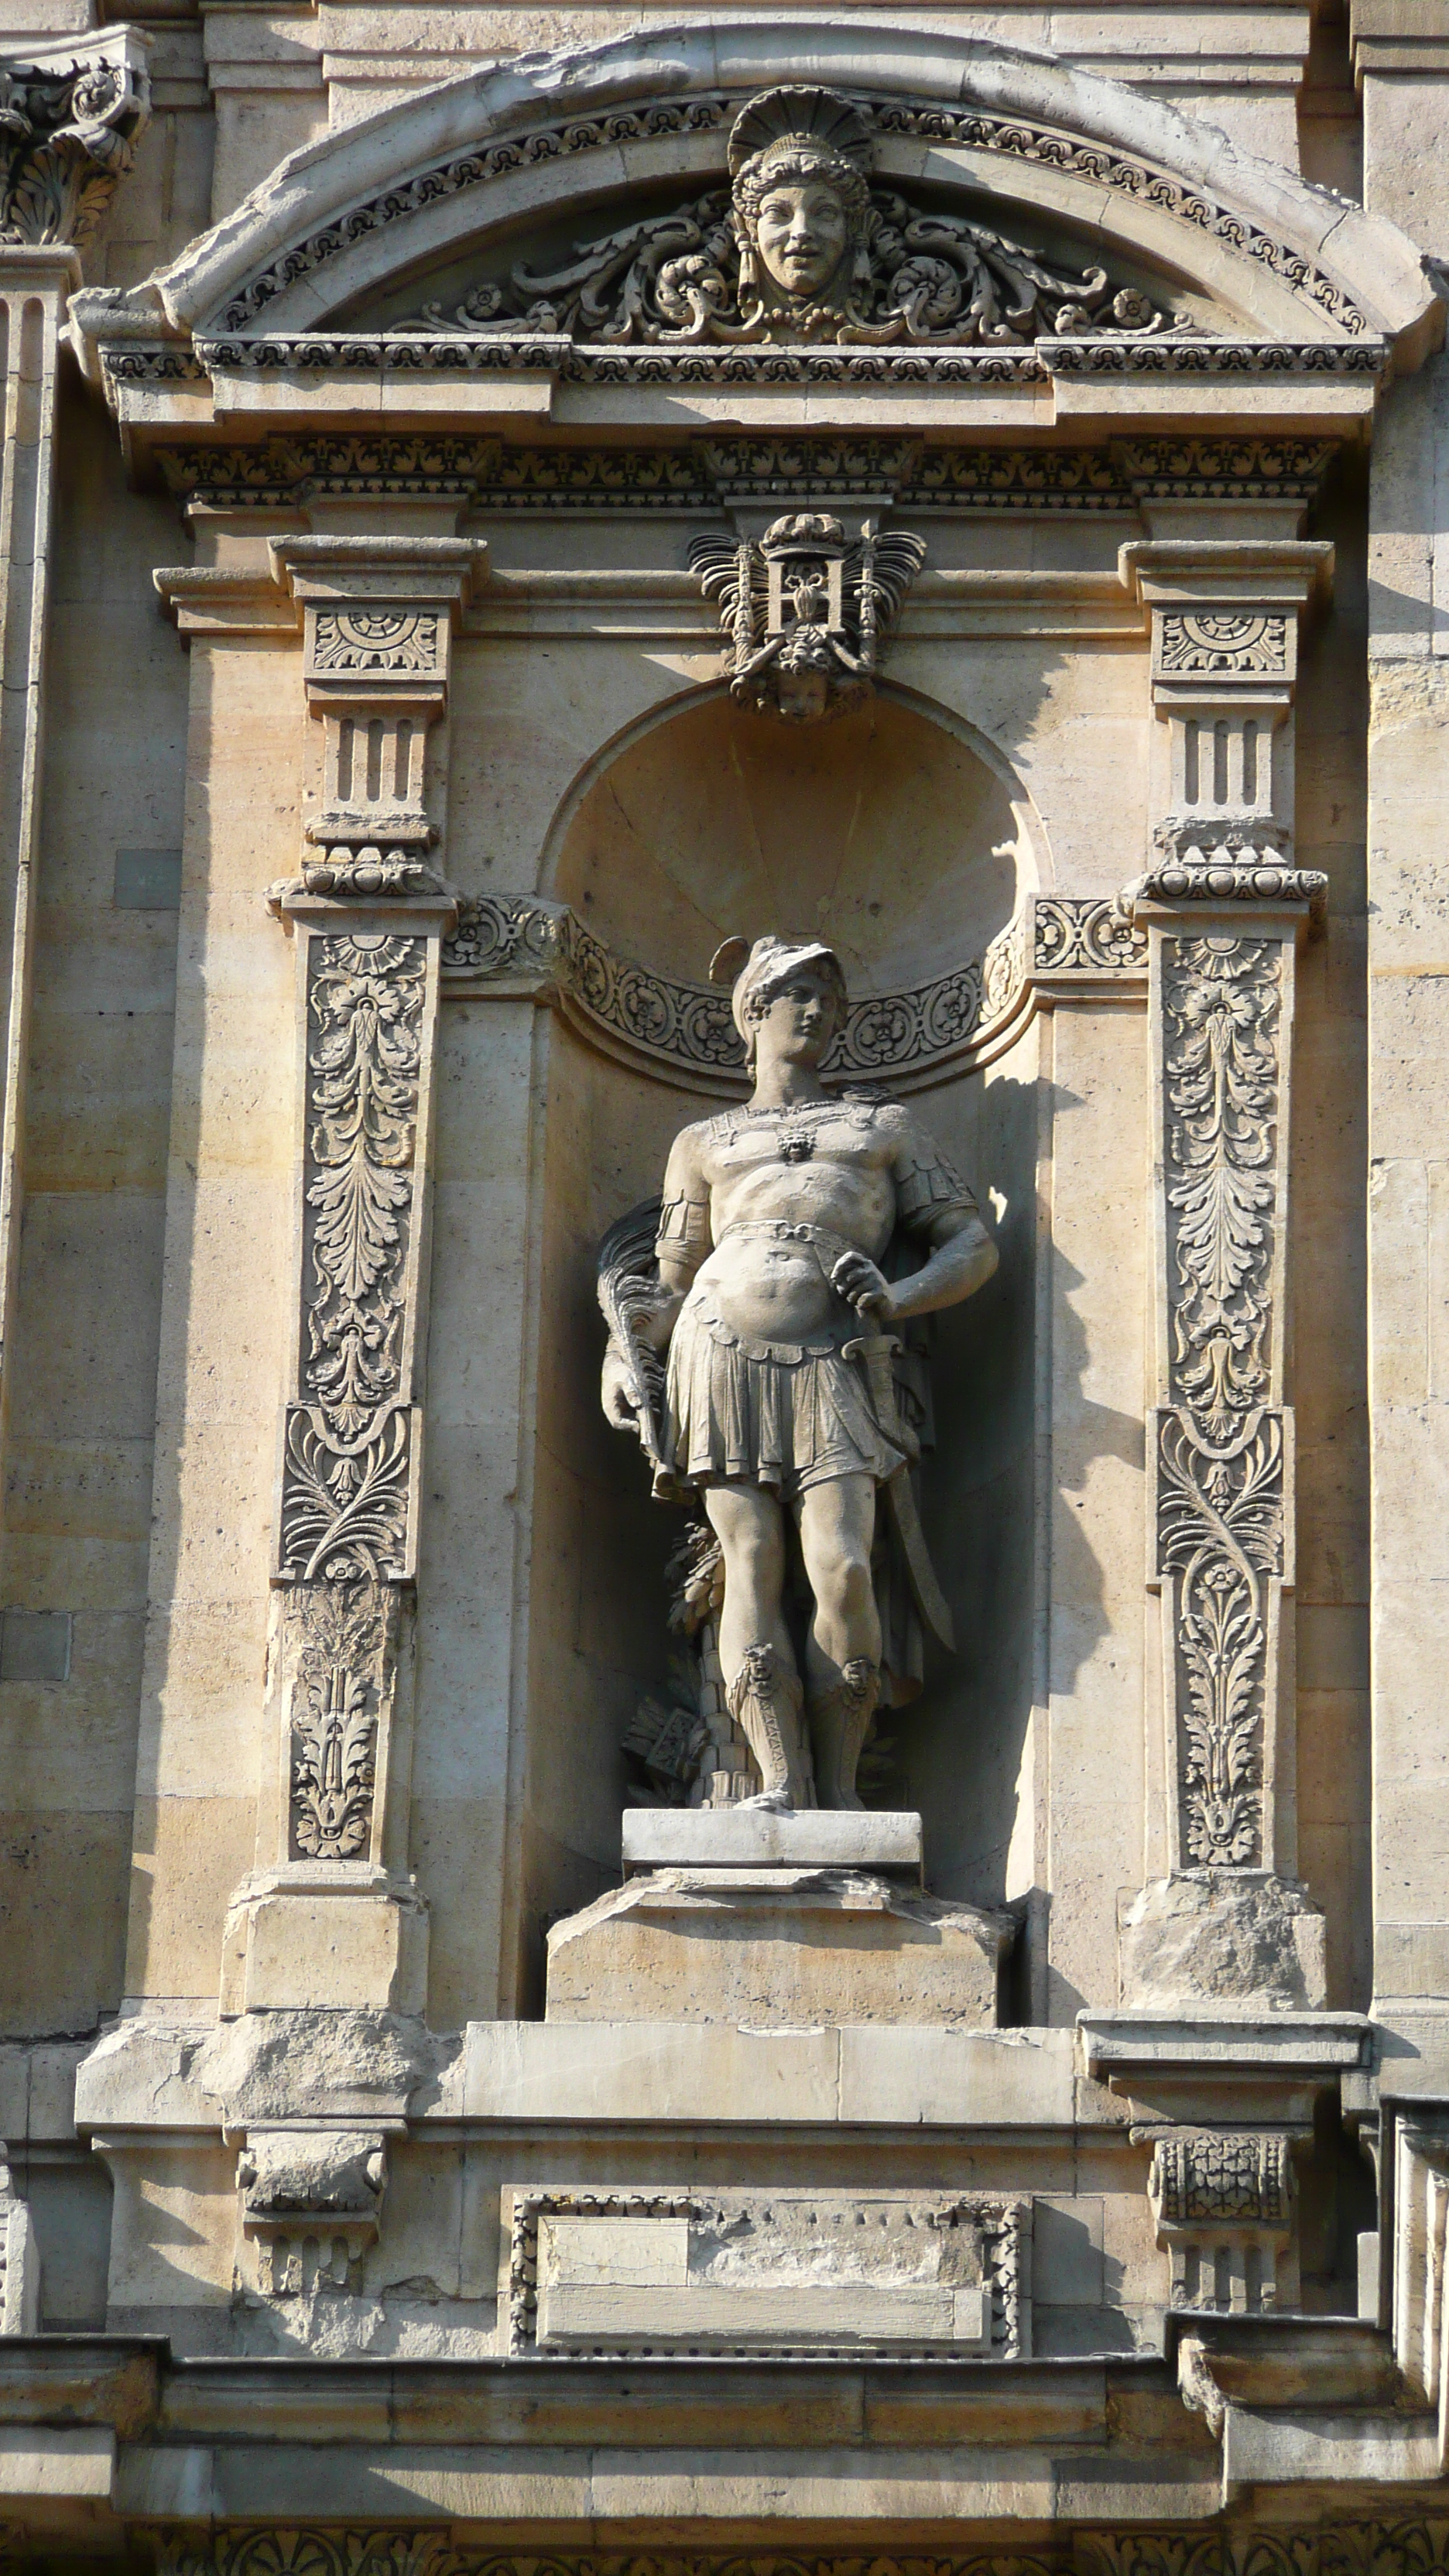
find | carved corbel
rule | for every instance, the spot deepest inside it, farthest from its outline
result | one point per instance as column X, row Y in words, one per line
column 368, row 916
column 1225, row 909
column 311, row 2202
column 1222, row 2200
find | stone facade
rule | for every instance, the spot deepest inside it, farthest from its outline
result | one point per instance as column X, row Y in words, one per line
column 753, row 697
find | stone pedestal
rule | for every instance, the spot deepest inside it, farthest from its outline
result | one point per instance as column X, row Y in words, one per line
column 878, row 1841
column 777, row 1947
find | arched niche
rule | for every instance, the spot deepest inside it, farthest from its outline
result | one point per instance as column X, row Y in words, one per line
column 709, row 821
column 892, row 832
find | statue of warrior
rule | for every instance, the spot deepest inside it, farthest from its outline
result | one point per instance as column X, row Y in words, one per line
column 780, row 1395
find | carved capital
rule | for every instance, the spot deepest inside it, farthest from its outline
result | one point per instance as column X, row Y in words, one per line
column 1223, row 2203
column 1225, row 616
column 1202, row 866
column 70, row 115
column 311, row 2200
column 378, row 615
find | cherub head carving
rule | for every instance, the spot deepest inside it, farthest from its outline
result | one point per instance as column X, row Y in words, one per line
column 798, row 160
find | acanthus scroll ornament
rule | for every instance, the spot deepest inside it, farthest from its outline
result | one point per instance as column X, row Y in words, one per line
column 801, row 249
column 67, row 133
column 1221, row 1002
column 806, row 608
column 334, row 1637
column 348, row 1442
column 688, row 1026
column 1220, row 1443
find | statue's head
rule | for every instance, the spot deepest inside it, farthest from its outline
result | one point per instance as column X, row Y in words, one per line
column 788, row 994
column 801, row 196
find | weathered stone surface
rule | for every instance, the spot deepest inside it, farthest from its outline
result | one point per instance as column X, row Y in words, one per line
column 1222, row 1938
column 774, row 1948
column 259, row 2069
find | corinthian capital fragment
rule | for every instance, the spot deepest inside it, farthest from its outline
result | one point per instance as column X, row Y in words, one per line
column 69, row 118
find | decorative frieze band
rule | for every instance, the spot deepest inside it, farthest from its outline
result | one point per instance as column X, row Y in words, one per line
column 318, row 353
column 1413, row 2543
column 882, row 118
column 711, row 473
column 684, row 1032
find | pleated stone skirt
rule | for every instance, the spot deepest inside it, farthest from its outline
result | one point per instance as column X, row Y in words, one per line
column 786, row 1414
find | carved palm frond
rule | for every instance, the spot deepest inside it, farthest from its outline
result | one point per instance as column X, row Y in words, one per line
column 734, row 576
column 889, row 564
column 628, row 1287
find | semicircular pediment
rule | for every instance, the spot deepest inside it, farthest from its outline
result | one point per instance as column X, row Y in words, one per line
column 612, row 198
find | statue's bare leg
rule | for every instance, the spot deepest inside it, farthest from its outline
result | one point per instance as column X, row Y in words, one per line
column 837, row 1527
column 761, row 1682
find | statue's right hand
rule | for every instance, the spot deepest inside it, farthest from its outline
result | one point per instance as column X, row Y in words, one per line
column 620, row 1405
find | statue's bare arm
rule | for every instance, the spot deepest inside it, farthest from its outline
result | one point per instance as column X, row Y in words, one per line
column 685, row 1222
column 962, row 1259
column 935, row 1204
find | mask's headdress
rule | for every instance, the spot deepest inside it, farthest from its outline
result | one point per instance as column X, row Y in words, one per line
column 792, row 137
column 758, row 974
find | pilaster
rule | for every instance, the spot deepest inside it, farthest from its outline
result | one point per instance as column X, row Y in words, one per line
column 1225, row 911
column 71, row 127
column 330, row 1916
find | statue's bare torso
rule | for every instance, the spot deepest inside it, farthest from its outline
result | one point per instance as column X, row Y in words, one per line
column 767, row 1284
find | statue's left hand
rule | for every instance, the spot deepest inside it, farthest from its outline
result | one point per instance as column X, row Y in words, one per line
column 856, row 1279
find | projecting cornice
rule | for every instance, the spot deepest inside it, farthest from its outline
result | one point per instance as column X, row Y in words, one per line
column 377, row 252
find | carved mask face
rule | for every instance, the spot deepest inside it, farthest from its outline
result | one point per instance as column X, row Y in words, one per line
column 803, row 232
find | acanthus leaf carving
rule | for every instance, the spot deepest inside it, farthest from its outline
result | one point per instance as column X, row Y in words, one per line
column 1221, row 1489
column 1014, row 138
column 1221, row 1004
column 729, row 267
column 348, row 1445
column 334, row 1640
column 67, row 134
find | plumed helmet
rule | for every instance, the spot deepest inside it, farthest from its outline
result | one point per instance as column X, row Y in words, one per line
column 758, row 973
